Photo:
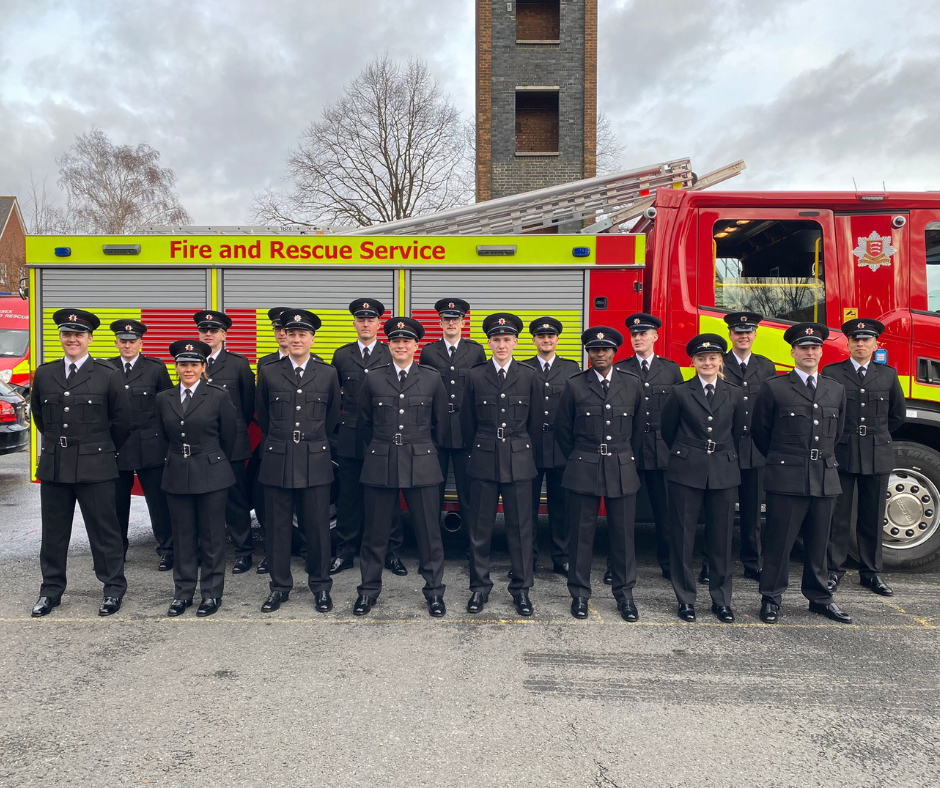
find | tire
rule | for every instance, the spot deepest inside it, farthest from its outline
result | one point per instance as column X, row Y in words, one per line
column 911, row 538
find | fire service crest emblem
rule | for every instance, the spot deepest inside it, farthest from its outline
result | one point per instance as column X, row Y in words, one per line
column 874, row 251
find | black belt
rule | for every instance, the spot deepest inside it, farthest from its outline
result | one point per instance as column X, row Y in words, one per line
column 297, row 436
column 502, row 433
column 604, row 448
column 814, row 454
column 188, row 449
column 548, row 428
column 650, row 427
column 709, row 445
column 65, row 441
column 398, row 439
column 863, row 430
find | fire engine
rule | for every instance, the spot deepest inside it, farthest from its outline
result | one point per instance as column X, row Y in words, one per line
column 692, row 257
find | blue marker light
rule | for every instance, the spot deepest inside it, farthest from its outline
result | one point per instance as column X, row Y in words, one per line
column 63, row 251
column 581, row 251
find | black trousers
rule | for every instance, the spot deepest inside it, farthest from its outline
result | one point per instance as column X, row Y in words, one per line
column 655, row 483
column 789, row 516
column 380, row 504
column 517, row 508
column 312, row 505
column 199, row 536
column 96, row 500
column 557, row 519
column 868, row 524
column 458, row 459
column 685, row 504
column 350, row 513
column 238, row 511
column 749, row 495
column 150, row 479
column 581, row 513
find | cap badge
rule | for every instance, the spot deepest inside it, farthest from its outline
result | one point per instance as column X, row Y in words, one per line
column 502, row 321
column 636, row 321
column 128, row 328
column 365, row 304
column 73, row 318
column 600, row 334
column 451, row 304
column 545, row 325
column 706, row 344
column 189, row 347
column 861, row 325
column 297, row 318
column 743, row 318
column 809, row 332
column 400, row 324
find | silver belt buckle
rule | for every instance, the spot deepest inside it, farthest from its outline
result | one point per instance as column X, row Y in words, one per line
column 187, row 451
column 710, row 447
column 397, row 439
column 603, row 449
column 862, row 429
column 296, row 436
column 500, row 433
column 814, row 454
column 451, row 408
column 546, row 427
column 64, row 442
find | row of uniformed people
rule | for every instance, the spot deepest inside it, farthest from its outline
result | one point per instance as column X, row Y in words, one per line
column 642, row 330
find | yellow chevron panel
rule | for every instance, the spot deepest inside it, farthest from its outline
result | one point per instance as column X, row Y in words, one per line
column 569, row 343
column 102, row 344
column 769, row 341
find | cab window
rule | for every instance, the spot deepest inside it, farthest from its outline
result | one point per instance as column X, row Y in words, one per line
column 773, row 267
column 932, row 244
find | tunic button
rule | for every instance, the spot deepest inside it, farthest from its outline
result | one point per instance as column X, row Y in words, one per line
column 127, row 387
column 502, row 410
column 546, row 413
column 745, row 382
column 296, row 423
column 453, row 382
column 863, row 404
column 300, row 391
column 452, row 368
column 647, row 413
column 298, row 407
column 182, row 434
column 609, row 438
column 647, row 385
column 66, row 409
column 815, row 405
column 182, row 423
column 815, row 421
column 708, row 429
column 547, row 384
column 452, row 396
column 502, row 396
column 745, row 398
column 711, row 418
column 65, row 425
column 646, row 398
column 402, row 396
column 608, row 423
column 401, row 426
column 862, row 391
column 816, row 438
column 366, row 371
column 792, row 414
column 402, row 410
column 862, row 419
column 587, row 414
column 66, row 393
column 607, row 406
column 503, row 424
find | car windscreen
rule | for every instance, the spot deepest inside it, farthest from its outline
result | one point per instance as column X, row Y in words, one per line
column 13, row 342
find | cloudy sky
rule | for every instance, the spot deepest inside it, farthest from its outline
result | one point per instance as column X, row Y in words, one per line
column 810, row 93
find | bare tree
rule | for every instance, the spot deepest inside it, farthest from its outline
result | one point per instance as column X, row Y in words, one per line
column 390, row 147
column 41, row 214
column 117, row 188
column 610, row 149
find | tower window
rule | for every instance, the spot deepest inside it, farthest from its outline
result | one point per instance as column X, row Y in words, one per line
column 538, row 20
column 536, row 121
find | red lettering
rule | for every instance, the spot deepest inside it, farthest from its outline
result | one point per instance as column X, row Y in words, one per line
column 292, row 251
column 423, row 250
column 277, row 249
column 174, row 248
column 438, row 253
column 305, row 252
column 381, row 252
column 331, row 252
column 205, row 251
column 345, row 252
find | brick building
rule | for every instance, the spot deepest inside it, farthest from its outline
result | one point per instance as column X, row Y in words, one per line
column 12, row 245
column 536, row 94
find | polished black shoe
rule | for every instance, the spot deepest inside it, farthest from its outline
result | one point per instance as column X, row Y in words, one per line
column 363, row 605
column 476, row 602
column 274, row 601
column 242, row 564
column 178, row 607
column 628, row 611
column 608, row 577
column 703, row 578
column 877, row 585
column 667, row 574
column 833, row 582
column 324, row 603
column 395, row 566
column 752, row 574
column 262, row 568
column 687, row 612
column 723, row 613
column 44, row 605
column 832, row 610
column 436, row 606
column 338, row 565
column 208, row 606
column 109, row 606
column 523, row 603
column 560, row 569
column 579, row 607
column 166, row 563
column 769, row 612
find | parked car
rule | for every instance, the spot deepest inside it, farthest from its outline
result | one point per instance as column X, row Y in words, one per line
column 14, row 420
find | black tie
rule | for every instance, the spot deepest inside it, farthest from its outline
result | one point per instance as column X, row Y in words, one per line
column 502, row 376
column 127, row 369
column 546, row 369
column 605, row 384
column 299, row 372
column 861, row 375
column 709, row 393
column 72, row 370
column 365, row 355
column 402, row 374
column 811, row 384
column 743, row 369
column 187, row 399
column 644, row 368
column 453, row 352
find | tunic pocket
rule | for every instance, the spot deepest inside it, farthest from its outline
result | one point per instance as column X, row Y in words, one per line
column 383, row 411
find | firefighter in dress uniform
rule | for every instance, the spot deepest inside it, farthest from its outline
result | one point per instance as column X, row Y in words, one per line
column 452, row 356
column 402, row 417
column 553, row 372
column 232, row 372
column 80, row 407
column 798, row 417
column 144, row 451
column 875, row 409
column 499, row 414
column 354, row 363
column 198, row 420
column 702, row 421
column 298, row 408
column 596, row 428
column 658, row 376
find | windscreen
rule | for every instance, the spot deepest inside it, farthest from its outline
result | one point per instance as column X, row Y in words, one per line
column 13, row 342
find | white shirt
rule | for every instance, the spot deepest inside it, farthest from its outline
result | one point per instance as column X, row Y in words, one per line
column 649, row 361
column 498, row 367
column 713, row 384
column 183, row 390
column 740, row 360
column 132, row 362
column 399, row 370
column 302, row 367
column 606, row 377
column 214, row 356
column 858, row 366
column 545, row 363
column 363, row 347
column 804, row 376
column 78, row 364
column 450, row 346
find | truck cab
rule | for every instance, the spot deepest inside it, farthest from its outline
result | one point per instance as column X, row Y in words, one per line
column 14, row 342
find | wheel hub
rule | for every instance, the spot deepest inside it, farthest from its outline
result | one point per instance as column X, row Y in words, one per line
column 912, row 514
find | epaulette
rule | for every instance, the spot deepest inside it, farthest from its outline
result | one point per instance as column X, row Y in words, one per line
column 468, row 341
column 348, row 344
column 238, row 355
column 214, row 386
column 621, row 371
column 105, row 363
column 47, row 363
column 153, row 359
column 488, row 361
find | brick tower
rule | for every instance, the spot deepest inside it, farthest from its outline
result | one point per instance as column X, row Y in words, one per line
column 536, row 94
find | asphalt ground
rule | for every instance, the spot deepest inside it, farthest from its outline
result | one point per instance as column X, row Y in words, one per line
column 298, row 698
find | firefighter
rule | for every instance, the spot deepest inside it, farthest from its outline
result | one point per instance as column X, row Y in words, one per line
column 797, row 419
column 402, row 416
column 596, row 427
column 354, row 362
column 553, row 371
column 81, row 408
column 452, row 356
column 232, row 372
column 658, row 375
column 298, row 407
column 198, row 419
column 701, row 424
column 875, row 409
column 497, row 417
column 144, row 451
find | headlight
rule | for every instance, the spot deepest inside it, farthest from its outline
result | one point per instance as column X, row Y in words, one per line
column 6, row 375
